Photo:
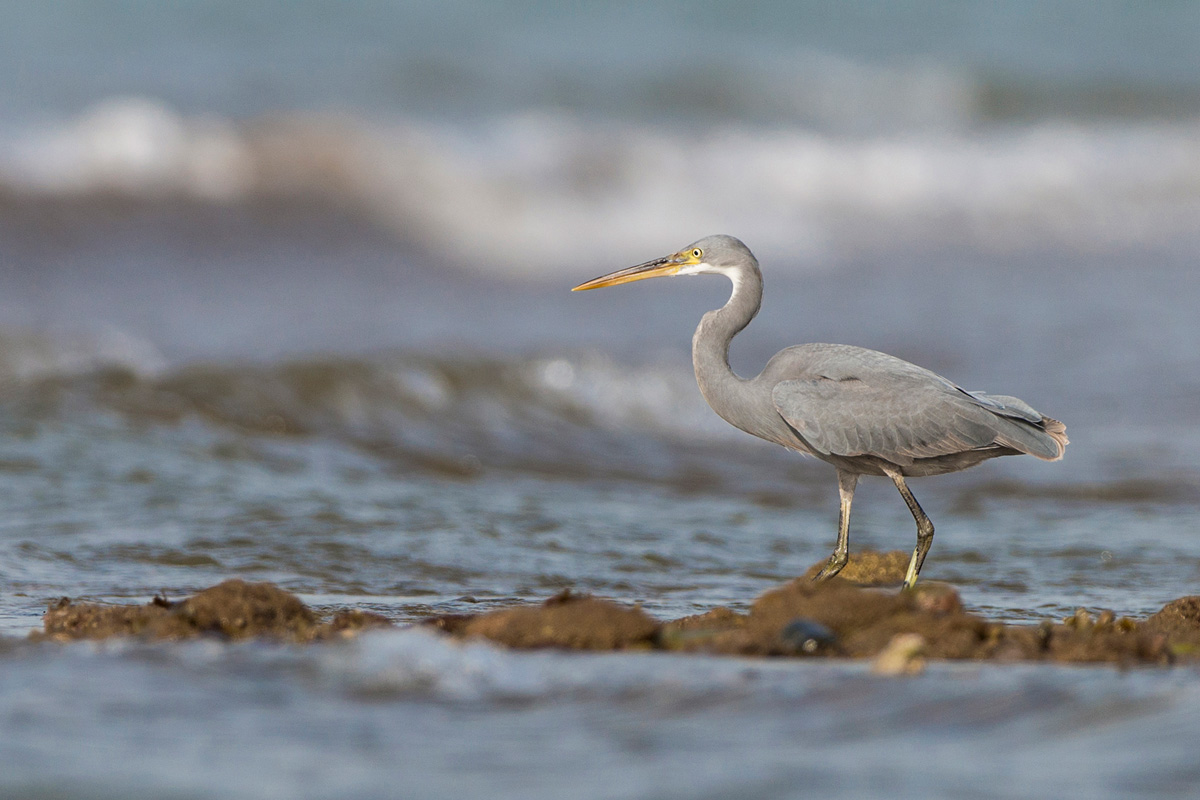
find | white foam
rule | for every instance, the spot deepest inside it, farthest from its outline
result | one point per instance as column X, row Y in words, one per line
column 662, row 398
column 134, row 146
column 529, row 194
column 27, row 355
column 419, row 662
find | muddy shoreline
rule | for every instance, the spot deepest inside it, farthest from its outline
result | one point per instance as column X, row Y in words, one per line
column 859, row 616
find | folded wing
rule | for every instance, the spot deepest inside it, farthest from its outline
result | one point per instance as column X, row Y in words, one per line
column 909, row 413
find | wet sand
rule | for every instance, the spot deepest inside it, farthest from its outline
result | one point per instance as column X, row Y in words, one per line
column 858, row 616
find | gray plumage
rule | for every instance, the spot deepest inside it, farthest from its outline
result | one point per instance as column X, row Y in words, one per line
column 864, row 412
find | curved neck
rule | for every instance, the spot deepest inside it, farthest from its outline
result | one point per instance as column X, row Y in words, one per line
column 719, row 384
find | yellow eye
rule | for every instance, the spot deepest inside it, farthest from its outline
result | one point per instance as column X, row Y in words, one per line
column 697, row 254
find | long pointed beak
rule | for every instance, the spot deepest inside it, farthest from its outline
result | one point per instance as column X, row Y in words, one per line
column 659, row 267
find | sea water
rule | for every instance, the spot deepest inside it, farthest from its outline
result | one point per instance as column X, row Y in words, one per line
column 284, row 296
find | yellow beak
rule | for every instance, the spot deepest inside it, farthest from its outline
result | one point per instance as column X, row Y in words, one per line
column 659, row 267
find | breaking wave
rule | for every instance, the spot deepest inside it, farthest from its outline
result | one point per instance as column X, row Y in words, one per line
column 450, row 416
column 570, row 416
column 27, row 356
column 518, row 195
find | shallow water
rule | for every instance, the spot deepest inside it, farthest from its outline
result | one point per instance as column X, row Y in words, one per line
column 292, row 304
column 512, row 460
column 406, row 711
column 180, row 414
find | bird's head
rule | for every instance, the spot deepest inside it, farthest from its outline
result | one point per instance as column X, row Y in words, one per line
column 712, row 255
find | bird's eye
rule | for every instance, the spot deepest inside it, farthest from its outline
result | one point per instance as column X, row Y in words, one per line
column 697, row 254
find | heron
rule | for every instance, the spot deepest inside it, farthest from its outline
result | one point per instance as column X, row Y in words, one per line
column 863, row 411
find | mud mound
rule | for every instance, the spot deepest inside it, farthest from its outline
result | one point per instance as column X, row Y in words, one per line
column 234, row 609
column 567, row 620
column 834, row 618
column 899, row 630
column 870, row 568
column 840, row 618
column 845, row 619
column 1179, row 623
column 863, row 620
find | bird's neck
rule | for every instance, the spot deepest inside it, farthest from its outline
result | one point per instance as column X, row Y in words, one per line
column 723, row 390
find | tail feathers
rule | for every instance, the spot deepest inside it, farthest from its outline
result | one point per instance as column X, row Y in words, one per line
column 1046, row 439
column 1058, row 432
column 1024, row 428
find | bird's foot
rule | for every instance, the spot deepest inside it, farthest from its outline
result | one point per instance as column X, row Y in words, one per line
column 832, row 567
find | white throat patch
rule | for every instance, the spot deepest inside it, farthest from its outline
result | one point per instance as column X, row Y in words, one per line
column 734, row 275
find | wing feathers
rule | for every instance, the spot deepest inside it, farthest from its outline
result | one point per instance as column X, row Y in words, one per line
column 910, row 414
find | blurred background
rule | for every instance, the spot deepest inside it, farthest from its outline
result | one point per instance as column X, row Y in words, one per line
column 504, row 138
column 240, row 241
column 284, row 295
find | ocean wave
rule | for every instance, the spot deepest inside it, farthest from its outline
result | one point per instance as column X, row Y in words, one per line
column 28, row 356
column 418, row 662
column 521, row 195
column 448, row 416
column 567, row 416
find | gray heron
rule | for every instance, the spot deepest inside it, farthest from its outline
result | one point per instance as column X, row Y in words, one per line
column 864, row 412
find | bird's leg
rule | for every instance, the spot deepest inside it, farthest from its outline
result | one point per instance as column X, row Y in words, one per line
column 924, row 528
column 841, row 554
